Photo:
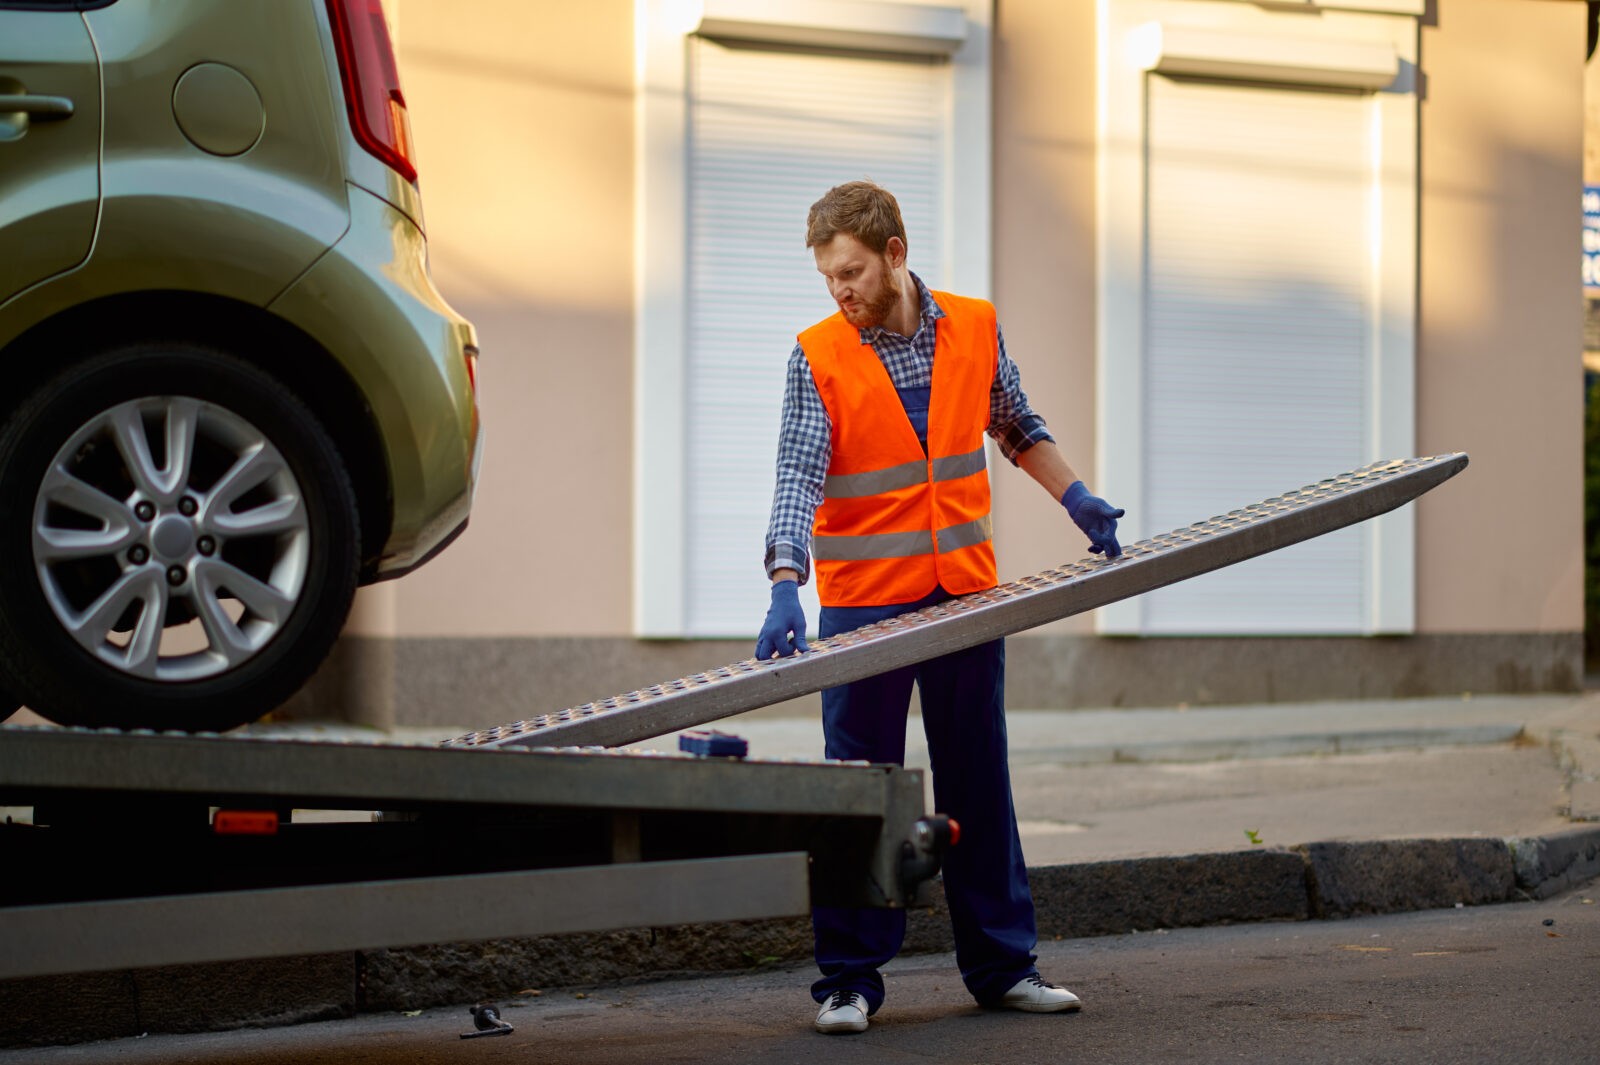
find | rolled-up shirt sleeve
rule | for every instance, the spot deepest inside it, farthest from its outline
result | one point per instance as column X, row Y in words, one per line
column 1012, row 423
column 804, row 450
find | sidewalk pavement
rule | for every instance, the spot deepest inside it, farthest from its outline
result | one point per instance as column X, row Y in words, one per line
column 1135, row 820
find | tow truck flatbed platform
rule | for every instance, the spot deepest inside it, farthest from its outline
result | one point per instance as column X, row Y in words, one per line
column 126, row 868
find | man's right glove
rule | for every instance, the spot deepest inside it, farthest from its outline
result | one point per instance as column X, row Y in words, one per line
column 783, row 617
column 1096, row 517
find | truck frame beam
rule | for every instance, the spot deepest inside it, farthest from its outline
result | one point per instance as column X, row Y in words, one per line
column 363, row 915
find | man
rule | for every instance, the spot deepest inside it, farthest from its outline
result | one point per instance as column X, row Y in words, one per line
column 881, row 480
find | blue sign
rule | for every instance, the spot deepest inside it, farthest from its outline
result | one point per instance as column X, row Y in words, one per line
column 1591, row 237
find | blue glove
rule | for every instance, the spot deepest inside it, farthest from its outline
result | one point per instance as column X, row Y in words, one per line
column 1096, row 517
column 783, row 617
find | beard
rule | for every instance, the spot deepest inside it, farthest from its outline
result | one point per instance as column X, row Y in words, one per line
column 874, row 311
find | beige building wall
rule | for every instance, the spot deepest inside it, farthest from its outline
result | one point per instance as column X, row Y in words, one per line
column 1044, row 261
column 523, row 115
column 1500, row 331
column 523, row 118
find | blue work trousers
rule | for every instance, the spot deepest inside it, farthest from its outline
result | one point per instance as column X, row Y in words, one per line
column 985, row 880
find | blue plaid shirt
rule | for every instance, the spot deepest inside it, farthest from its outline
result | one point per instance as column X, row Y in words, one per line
column 805, row 433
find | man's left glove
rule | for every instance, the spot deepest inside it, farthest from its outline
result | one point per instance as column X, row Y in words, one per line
column 783, row 617
column 1096, row 517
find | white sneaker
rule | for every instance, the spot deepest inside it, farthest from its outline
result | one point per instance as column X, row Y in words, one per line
column 1035, row 996
column 844, row 1011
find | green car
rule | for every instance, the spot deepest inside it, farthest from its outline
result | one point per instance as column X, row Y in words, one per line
column 232, row 393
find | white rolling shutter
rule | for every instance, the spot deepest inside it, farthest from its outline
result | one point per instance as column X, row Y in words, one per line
column 769, row 131
column 1259, row 318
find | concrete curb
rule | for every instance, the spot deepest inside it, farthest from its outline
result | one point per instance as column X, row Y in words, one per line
column 1547, row 865
column 1393, row 876
column 1314, row 881
column 258, row 993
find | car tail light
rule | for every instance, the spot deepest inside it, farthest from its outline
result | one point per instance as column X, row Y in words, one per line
column 372, row 82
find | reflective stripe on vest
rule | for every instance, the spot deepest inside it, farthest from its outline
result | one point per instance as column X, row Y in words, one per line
column 896, row 521
column 902, row 545
column 876, row 482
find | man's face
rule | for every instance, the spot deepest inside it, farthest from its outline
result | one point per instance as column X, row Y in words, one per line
column 860, row 280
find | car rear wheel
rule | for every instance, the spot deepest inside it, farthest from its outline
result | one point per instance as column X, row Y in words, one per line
column 187, row 537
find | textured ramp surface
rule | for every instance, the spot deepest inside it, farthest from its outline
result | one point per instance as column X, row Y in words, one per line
column 973, row 619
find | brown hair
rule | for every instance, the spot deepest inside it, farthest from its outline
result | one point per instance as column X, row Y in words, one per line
column 866, row 211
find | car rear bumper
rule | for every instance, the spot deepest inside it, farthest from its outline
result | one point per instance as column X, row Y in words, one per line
column 371, row 303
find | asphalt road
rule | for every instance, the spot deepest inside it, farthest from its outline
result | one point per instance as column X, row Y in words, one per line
column 1510, row 983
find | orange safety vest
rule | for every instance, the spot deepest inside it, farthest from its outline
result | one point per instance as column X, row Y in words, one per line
column 895, row 522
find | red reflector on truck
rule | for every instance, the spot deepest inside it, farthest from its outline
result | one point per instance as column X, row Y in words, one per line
column 245, row 823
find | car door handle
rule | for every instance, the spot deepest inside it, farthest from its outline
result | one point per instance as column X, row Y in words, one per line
column 43, row 108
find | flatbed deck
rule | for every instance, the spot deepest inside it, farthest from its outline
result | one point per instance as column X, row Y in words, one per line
column 125, row 866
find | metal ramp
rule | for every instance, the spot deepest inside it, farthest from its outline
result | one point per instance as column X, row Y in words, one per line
column 964, row 622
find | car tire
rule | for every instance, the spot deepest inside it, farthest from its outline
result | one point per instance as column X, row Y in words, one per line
column 184, row 539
